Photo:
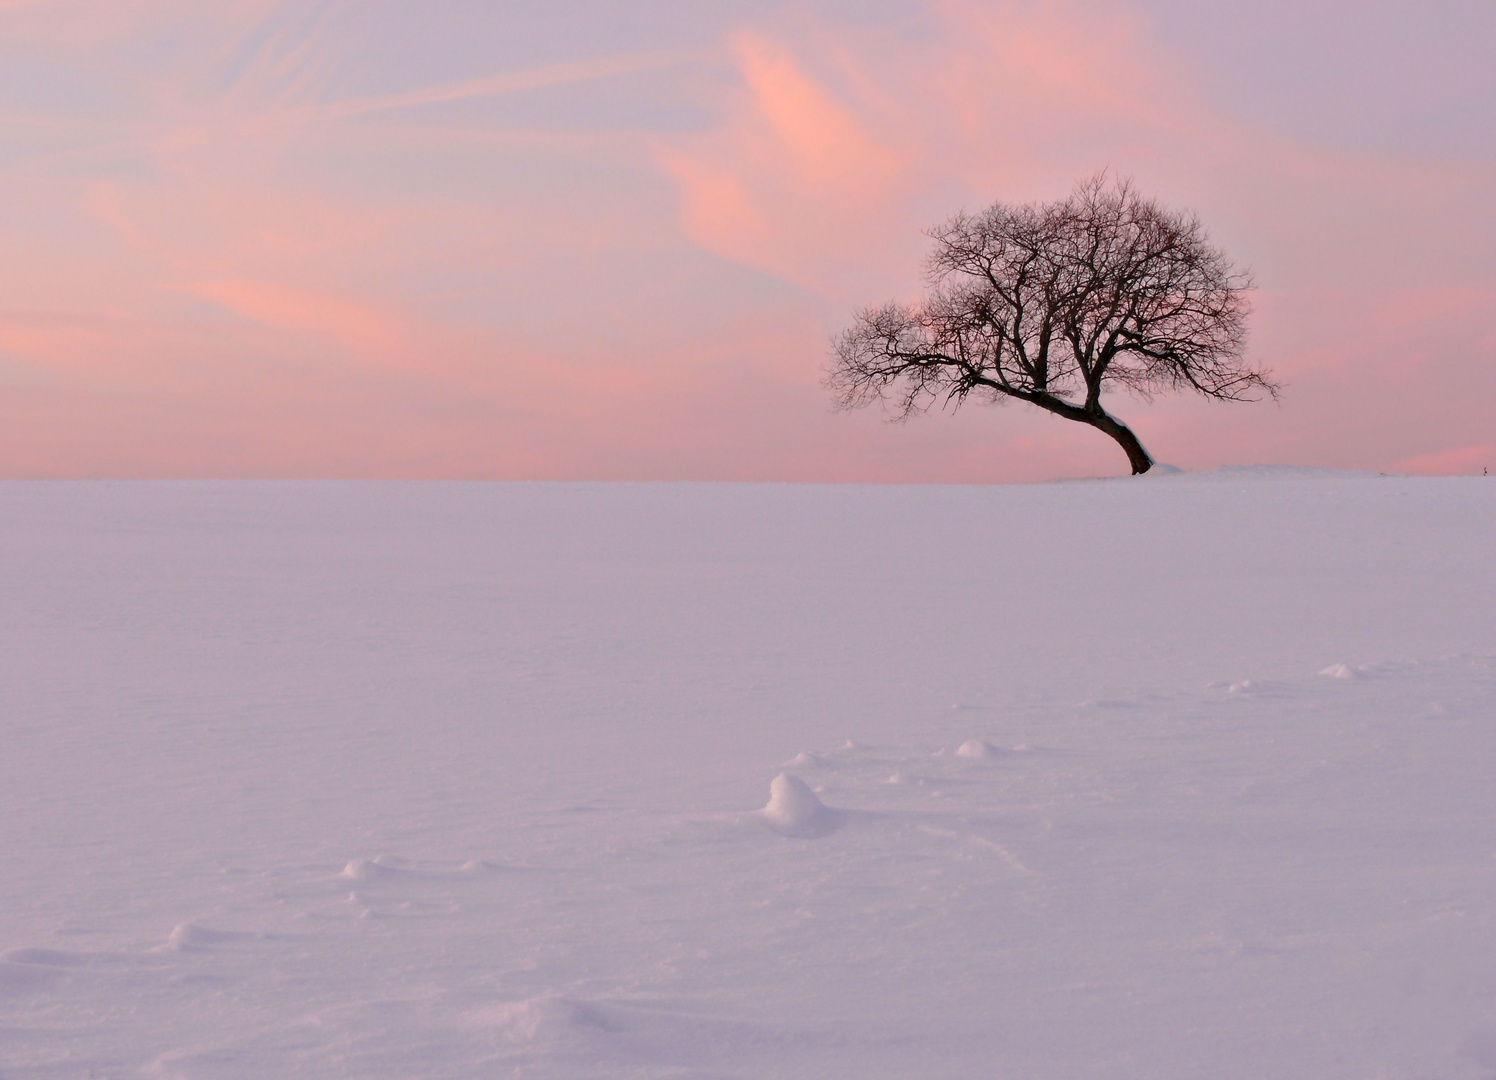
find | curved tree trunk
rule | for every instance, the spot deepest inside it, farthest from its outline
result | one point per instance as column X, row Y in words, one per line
column 1137, row 457
column 1091, row 413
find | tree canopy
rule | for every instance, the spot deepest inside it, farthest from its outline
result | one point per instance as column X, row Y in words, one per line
column 1053, row 303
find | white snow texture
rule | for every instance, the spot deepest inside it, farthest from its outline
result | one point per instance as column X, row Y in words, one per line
column 1186, row 779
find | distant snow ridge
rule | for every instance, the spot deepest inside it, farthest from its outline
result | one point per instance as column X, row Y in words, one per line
column 1345, row 671
column 794, row 810
column 976, row 748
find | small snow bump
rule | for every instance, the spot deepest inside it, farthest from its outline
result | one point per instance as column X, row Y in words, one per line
column 795, row 810
column 549, row 1018
column 360, row 870
column 481, row 866
column 189, row 937
column 976, row 748
column 804, row 760
column 381, row 866
column 1344, row 671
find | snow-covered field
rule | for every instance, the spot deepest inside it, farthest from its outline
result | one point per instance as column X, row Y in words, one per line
column 1186, row 777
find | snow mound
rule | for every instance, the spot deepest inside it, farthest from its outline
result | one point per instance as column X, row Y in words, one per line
column 482, row 866
column 804, row 760
column 189, row 937
column 381, row 866
column 976, row 748
column 548, row 1019
column 794, row 810
column 1231, row 474
column 1344, row 671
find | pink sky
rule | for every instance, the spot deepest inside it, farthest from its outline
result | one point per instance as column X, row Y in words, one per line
column 389, row 239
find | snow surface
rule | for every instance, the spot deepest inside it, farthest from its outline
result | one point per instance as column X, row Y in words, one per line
column 1189, row 777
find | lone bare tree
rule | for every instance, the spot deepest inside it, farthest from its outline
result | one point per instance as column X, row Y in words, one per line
column 1053, row 303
